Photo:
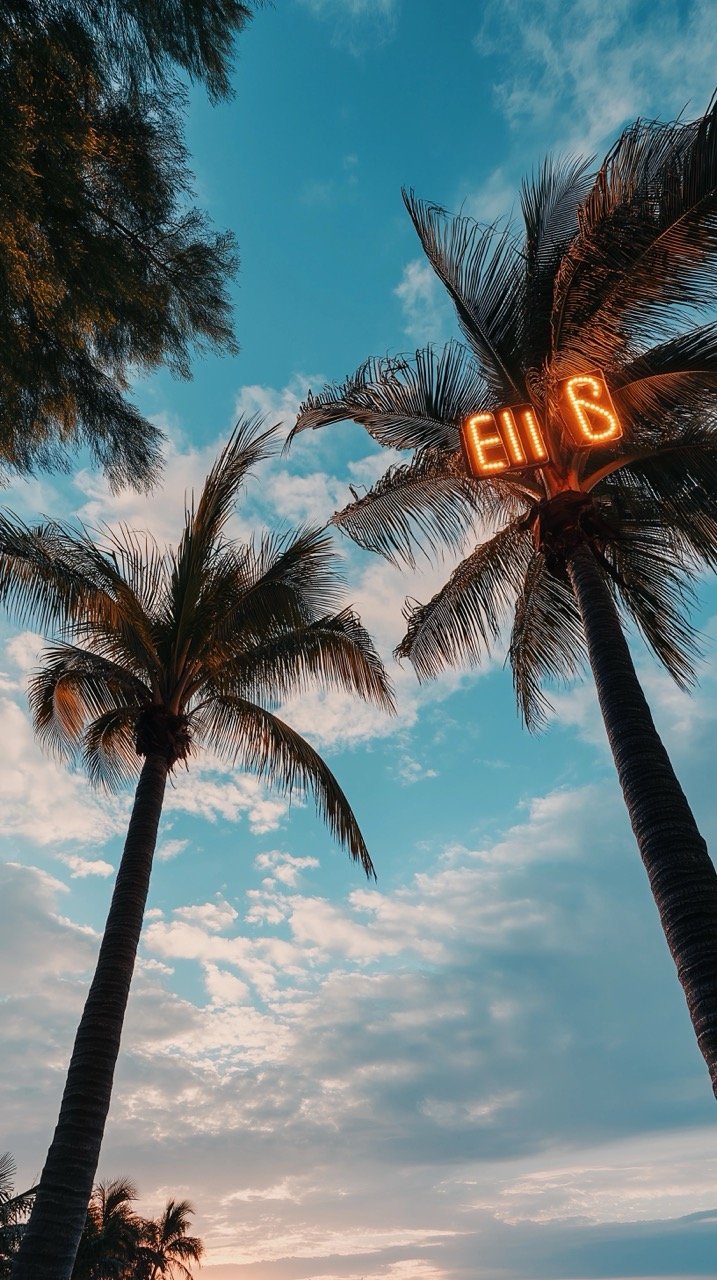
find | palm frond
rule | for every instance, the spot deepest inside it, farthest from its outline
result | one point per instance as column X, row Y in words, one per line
column 546, row 642
column 549, row 202
column 675, row 484
column 653, row 581
column 109, row 752
column 282, row 582
column 252, row 736
column 114, row 616
column 44, row 579
column 8, row 1169
column 74, row 686
column 337, row 652
column 647, row 246
column 247, row 446
column 204, row 525
column 428, row 504
column 670, row 384
column 482, row 269
column 402, row 403
column 464, row 618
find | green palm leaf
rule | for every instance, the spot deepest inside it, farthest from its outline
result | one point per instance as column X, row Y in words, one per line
column 250, row 735
column 546, row 642
column 404, row 404
column 464, row 619
column 482, row 269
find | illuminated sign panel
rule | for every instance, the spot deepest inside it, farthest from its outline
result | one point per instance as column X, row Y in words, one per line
column 588, row 409
column 507, row 440
column 510, row 439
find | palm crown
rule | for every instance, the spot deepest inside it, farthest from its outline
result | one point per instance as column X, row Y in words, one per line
column 606, row 264
column 603, row 279
column 172, row 650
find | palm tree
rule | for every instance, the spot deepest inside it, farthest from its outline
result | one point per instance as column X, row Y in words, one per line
column 14, row 1210
column 111, row 1237
column 166, row 1246
column 604, row 277
column 159, row 653
column 117, row 1244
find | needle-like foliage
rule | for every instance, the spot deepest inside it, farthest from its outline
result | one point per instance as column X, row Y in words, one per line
column 106, row 267
column 142, row 42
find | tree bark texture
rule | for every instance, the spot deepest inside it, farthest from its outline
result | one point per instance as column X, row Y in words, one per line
column 682, row 876
column 50, row 1242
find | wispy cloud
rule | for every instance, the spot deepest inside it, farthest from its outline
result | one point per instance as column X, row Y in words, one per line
column 357, row 25
column 592, row 67
column 425, row 305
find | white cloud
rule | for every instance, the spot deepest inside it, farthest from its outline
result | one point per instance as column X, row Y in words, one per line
column 411, row 771
column 358, row 25
column 276, row 405
column 168, row 849
column 283, row 867
column 430, row 1029
column 42, row 801
column 595, row 67
column 211, row 790
column 212, row 916
column 81, row 867
column 426, row 309
column 24, row 650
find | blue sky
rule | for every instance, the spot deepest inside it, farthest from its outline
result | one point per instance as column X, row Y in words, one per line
column 481, row 1067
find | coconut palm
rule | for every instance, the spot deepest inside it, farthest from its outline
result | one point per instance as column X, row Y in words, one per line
column 605, row 275
column 166, row 1247
column 159, row 653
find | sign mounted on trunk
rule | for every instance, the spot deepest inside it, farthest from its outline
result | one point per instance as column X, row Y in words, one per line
column 511, row 439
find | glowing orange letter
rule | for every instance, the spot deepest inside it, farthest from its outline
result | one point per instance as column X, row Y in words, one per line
column 479, row 442
column 532, row 435
column 511, row 439
column 515, row 434
column 591, row 413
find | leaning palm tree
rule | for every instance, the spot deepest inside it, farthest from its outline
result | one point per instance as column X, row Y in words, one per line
column 159, row 653
column 600, row 284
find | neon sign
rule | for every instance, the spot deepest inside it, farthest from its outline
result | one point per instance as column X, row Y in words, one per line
column 510, row 438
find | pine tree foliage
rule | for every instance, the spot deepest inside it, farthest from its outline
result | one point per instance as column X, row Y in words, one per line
column 106, row 267
column 141, row 41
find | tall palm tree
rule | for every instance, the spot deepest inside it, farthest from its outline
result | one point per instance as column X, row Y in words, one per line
column 608, row 269
column 159, row 653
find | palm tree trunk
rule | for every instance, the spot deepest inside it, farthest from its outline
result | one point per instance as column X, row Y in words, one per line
column 681, row 873
column 50, row 1242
